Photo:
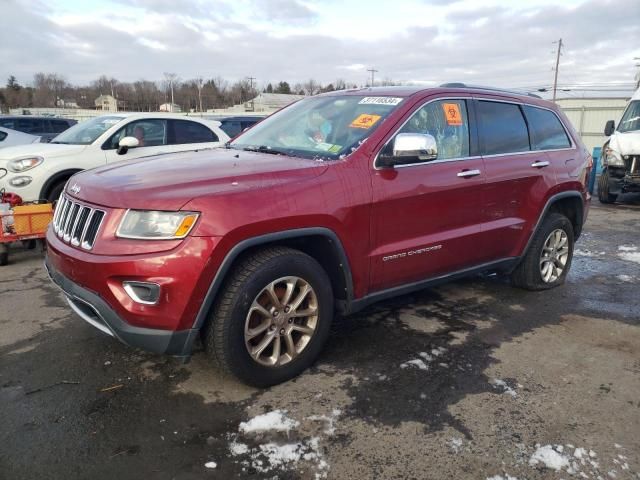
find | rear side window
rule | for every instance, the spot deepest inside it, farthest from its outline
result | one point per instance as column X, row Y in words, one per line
column 185, row 131
column 58, row 126
column 3, row 135
column 232, row 128
column 502, row 128
column 546, row 130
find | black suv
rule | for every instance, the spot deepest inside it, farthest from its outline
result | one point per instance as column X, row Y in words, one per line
column 45, row 127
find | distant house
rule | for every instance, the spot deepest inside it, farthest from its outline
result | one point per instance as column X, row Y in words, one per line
column 108, row 103
column 61, row 103
column 263, row 103
column 168, row 107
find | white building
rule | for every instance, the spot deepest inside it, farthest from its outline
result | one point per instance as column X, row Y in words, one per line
column 263, row 103
column 168, row 107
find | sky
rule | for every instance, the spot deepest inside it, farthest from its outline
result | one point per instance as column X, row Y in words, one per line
column 494, row 42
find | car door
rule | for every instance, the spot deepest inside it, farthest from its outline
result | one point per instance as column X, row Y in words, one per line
column 426, row 215
column 152, row 135
column 518, row 178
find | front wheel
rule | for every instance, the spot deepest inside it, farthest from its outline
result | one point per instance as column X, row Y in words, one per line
column 603, row 189
column 56, row 191
column 272, row 318
column 548, row 259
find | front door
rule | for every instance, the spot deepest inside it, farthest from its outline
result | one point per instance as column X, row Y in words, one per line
column 426, row 215
column 152, row 135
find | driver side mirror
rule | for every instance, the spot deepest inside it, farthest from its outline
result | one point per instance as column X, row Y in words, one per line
column 409, row 148
column 126, row 143
column 609, row 128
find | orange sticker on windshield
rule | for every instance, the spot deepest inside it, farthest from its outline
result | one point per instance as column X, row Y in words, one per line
column 365, row 121
column 452, row 113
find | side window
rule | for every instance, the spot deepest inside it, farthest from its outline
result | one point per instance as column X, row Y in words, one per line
column 58, row 126
column 8, row 123
column 546, row 130
column 185, row 131
column 502, row 128
column 447, row 121
column 231, row 127
column 150, row 133
column 3, row 135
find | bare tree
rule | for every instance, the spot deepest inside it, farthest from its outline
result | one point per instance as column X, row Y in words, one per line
column 171, row 79
column 311, row 87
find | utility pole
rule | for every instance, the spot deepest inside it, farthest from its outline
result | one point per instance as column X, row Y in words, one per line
column 251, row 79
column 373, row 71
column 199, row 83
column 637, row 73
column 555, row 77
column 170, row 78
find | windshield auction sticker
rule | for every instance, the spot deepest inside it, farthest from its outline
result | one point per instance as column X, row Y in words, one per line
column 452, row 113
column 380, row 101
column 365, row 121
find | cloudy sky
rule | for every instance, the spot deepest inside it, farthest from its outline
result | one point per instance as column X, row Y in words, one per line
column 496, row 42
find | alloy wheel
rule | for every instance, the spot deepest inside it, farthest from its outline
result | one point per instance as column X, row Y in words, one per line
column 554, row 256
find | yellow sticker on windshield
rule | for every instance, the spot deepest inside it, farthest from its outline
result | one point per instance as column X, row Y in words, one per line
column 365, row 121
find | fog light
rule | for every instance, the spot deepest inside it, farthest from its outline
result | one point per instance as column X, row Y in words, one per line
column 20, row 181
column 146, row 293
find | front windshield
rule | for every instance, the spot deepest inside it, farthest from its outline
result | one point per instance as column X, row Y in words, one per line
column 631, row 119
column 86, row 132
column 318, row 127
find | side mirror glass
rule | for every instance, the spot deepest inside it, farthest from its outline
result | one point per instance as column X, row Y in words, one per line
column 609, row 128
column 126, row 143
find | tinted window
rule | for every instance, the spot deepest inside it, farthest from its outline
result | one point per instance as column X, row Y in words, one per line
column 3, row 135
column 30, row 125
column 150, row 133
column 58, row 126
column 7, row 123
column 546, row 130
column 231, row 127
column 502, row 128
column 447, row 121
column 185, row 131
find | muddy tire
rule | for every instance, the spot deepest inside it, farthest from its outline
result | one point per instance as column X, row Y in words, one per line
column 272, row 317
column 548, row 259
column 603, row 189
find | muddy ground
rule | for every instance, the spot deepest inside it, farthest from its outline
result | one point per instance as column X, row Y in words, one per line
column 472, row 380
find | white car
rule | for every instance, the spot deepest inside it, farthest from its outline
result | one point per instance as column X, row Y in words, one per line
column 11, row 138
column 37, row 172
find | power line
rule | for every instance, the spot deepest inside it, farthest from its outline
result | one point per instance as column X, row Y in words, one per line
column 373, row 71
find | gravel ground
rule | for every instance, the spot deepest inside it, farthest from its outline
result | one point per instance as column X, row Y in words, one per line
column 472, row 380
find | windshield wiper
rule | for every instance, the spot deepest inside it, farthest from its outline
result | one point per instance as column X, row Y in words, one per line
column 264, row 149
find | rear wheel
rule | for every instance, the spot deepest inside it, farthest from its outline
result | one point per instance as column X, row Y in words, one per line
column 603, row 189
column 272, row 317
column 548, row 259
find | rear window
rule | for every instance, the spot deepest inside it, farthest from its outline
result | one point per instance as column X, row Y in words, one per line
column 547, row 133
column 502, row 128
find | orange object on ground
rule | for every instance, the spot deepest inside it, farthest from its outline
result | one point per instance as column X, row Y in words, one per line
column 32, row 219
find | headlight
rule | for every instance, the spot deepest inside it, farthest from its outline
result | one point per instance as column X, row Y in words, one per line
column 613, row 158
column 24, row 164
column 156, row 225
column 20, row 181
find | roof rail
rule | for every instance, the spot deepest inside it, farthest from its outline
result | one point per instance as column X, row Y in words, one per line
column 492, row 89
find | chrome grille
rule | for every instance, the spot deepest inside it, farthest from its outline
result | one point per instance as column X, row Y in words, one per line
column 76, row 223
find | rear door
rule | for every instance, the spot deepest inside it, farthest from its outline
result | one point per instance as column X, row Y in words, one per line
column 426, row 215
column 518, row 178
column 189, row 135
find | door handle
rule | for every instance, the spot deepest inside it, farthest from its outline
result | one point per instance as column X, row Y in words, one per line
column 469, row 173
column 540, row 164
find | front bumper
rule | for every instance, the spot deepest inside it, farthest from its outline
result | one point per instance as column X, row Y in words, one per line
column 94, row 310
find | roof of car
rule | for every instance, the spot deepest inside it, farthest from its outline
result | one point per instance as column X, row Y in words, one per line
column 39, row 117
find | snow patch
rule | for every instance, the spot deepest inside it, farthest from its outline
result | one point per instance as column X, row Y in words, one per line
column 417, row 363
column 587, row 253
column 500, row 477
column 628, row 248
column 275, row 421
column 630, row 256
column 456, row 444
column 505, row 387
column 330, row 420
column 550, row 458
column 625, row 278
column 211, row 464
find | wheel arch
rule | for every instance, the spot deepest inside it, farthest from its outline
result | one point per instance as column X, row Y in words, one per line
column 55, row 179
column 320, row 243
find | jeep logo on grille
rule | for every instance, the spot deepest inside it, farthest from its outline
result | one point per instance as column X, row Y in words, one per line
column 75, row 189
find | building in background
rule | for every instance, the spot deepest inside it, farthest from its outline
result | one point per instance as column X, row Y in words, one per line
column 108, row 103
column 589, row 115
column 168, row 107
column 264, row 103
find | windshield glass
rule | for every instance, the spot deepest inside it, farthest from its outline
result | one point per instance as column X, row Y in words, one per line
column 631, row 118
column 86, row 132
column 319, row 127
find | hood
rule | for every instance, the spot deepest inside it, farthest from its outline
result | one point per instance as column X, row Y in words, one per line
column 627, row 143
column 46, row 150
column 167, row 182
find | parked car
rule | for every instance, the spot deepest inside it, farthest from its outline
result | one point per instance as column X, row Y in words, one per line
column 234, row 126
column 44, row 127
column 40, row 171
column 329, row 205
column 621, row 154
column 10, row 138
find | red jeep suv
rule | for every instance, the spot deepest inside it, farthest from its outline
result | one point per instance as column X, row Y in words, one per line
column 326, row 206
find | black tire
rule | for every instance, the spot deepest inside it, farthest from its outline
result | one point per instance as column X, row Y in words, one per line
column 224, row 334
column 56, row 191
column 603, row 189
column 528, row 273
column 4, row 255
column 29, row 244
